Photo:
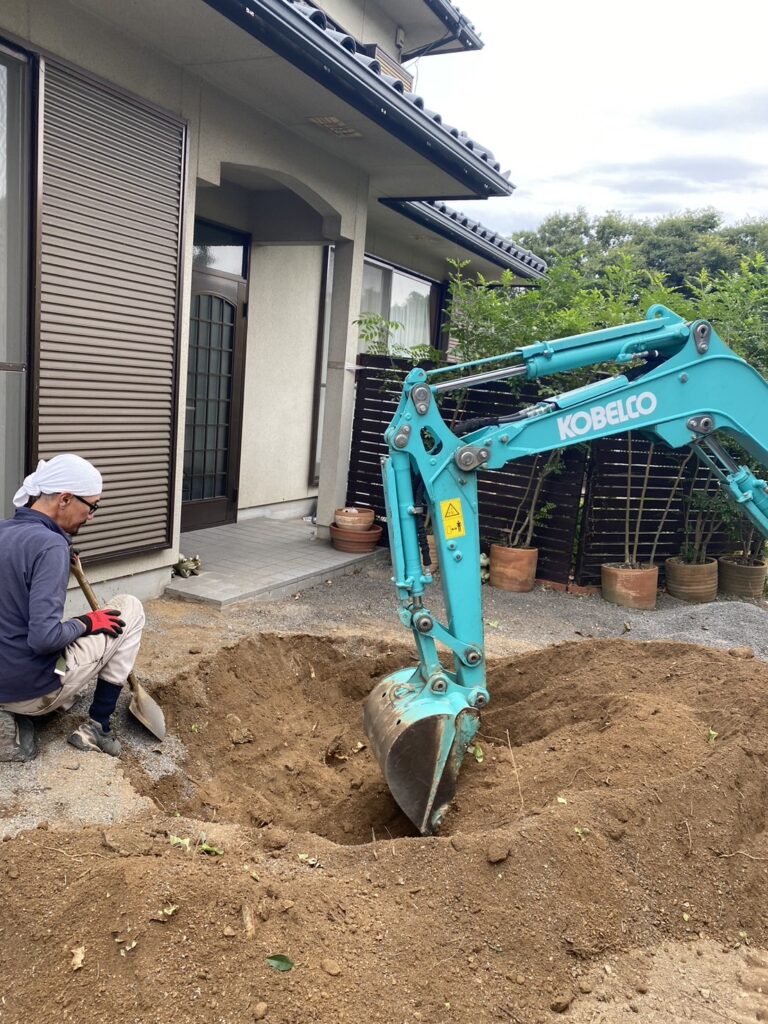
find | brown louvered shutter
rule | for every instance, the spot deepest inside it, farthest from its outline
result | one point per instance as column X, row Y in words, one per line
column 112, row 180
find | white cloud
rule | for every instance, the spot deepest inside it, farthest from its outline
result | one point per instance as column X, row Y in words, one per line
column 646, row 109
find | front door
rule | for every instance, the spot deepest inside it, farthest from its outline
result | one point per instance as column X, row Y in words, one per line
column 214, row 400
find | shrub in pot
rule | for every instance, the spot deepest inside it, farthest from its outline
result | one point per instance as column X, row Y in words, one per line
column 513, row 559
column 743, row 573
column 632, row 583
column 692, row 575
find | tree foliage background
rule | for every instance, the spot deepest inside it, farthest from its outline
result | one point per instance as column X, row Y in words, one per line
column 608, row 270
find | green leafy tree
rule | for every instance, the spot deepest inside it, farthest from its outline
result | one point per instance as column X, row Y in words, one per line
column 492, row 318
column 737, row 304
column 679, row 246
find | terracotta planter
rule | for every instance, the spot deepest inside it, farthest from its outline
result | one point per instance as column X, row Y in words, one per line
column 513, row 568
column 741, row 580
column 357, row 542
column 630, row 588
column 692, row 582
column 433, row 553
column 354, row 518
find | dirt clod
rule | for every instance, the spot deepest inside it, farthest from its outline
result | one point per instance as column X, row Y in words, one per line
column 741, row 652
column 498, row 851
column 561, row 1003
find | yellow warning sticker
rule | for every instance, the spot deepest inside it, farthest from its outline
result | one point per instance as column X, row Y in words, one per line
column 453, row 518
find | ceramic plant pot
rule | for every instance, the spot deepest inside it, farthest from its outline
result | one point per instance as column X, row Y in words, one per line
column 739, row 579
column 513, row 568
column 433, row 553
column 692, row 582
column 354, row 518
column 630, row 588
column 357, row 542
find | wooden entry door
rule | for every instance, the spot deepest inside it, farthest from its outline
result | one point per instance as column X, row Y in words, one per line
column 214, row 401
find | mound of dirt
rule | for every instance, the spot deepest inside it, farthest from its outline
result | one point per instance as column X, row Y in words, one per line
column 614, row 806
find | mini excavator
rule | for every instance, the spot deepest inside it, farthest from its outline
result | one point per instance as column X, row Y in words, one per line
column 681, row 385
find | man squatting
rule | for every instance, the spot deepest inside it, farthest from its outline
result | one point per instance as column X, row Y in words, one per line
column 47, row 663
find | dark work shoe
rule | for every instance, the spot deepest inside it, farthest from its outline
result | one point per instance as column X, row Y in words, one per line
column 91, row 736
column 17, row 737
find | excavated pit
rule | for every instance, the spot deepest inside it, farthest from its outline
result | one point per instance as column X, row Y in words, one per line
column 274, row 734
column 611, row 821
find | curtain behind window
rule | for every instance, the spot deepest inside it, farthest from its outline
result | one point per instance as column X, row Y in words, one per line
column 410, row 307
column 399, row 297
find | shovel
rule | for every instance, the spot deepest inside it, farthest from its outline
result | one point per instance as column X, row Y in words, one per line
column 142, row 706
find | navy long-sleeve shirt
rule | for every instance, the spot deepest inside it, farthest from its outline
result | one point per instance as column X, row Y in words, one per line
column 34, row 572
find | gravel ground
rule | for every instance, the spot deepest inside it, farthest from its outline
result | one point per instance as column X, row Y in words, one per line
column 366, row 600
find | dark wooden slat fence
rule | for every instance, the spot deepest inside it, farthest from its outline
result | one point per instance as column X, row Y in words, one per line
column 587, row 524
column 603, row 527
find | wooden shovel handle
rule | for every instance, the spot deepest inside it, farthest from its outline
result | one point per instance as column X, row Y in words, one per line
column 85, row 586
column 93, row 601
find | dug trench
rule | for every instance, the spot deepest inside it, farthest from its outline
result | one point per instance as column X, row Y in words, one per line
column 613, row 808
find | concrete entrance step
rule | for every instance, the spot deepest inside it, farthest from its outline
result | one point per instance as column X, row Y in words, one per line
column 261, row 559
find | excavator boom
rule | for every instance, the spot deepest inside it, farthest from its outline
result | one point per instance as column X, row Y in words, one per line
column 683, row 387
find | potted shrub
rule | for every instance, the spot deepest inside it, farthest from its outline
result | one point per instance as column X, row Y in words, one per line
column 513, row 558
column 632, row 583
column 692, row 575
column 743, row 573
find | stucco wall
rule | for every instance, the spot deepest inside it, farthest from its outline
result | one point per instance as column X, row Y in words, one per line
column 279, row 374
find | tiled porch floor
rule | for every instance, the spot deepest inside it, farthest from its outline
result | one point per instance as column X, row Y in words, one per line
column 259, row 558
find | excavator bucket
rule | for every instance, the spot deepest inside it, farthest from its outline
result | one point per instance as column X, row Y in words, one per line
column 420, row 738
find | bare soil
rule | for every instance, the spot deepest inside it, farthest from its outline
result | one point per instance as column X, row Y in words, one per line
column 606, row 855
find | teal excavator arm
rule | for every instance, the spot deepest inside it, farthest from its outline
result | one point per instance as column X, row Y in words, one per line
column 685, row 387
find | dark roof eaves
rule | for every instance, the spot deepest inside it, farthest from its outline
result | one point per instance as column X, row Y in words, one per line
column 332, row 66
column 464, row 232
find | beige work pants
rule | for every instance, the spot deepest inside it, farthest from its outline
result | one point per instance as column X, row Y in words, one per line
column 91, row 657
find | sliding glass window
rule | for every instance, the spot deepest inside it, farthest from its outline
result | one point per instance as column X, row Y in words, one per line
column 408, row 301
column 14, row 248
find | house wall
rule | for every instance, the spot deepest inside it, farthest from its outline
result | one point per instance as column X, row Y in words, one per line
column 285, row 281
column 279, row 378
column 391, row 250
column 365, row 21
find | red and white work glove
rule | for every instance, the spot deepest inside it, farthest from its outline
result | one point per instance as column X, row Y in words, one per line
column 105, row 620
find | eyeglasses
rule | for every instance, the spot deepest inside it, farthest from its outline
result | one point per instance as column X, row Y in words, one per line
column 93, row 506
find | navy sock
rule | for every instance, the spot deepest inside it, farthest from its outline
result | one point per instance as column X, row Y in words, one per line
column 104, row 702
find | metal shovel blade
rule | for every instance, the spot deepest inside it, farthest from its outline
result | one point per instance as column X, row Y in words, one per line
column 419, row 739
column 146, row 709
column 143, row 707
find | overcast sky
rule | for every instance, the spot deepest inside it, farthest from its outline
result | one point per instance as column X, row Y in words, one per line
column 645, row 108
